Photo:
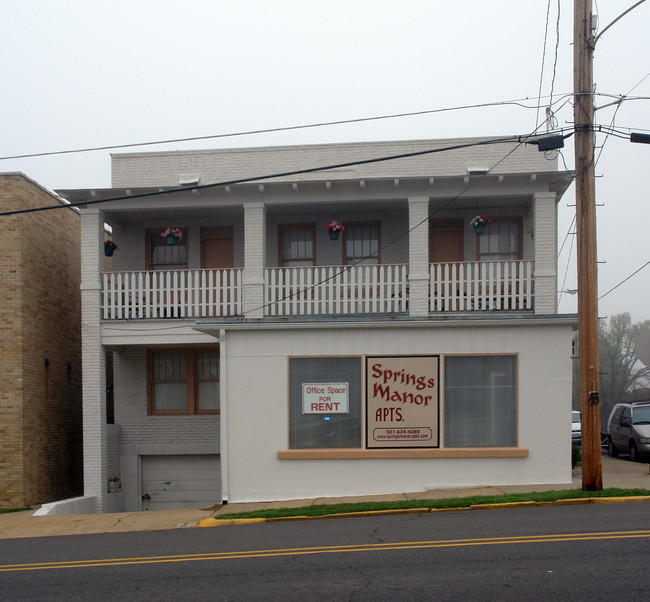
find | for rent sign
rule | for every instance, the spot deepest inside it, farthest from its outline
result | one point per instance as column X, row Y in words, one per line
column 402, row 401
column 325, row 398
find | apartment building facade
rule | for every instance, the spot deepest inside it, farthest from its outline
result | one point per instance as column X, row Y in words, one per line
column 263, row 352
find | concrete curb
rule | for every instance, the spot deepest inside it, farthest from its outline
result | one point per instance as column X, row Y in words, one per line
column 215, row 522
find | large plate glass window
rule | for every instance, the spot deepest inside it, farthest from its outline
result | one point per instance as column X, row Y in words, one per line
column 481, row 401
column 320, row 423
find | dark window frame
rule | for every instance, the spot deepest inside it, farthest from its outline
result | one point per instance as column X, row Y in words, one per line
column 152, row 234
column 284, row 228
column 501, row 220
column 353, row 259
column 190, row 381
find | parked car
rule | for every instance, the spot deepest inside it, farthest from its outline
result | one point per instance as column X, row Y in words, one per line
column 575, row 428
column 628, row 430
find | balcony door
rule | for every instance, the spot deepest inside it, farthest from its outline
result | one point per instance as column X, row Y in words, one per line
column 217, row 248
column 217, row 254
column 446, row 241
column 446, row 246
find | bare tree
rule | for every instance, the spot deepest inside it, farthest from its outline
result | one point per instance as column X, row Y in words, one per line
column 623, row 375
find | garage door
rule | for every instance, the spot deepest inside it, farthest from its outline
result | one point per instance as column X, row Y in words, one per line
column 174, row 482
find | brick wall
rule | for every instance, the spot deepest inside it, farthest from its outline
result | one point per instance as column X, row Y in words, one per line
column 165, row 168
column 142, row 434
column 40, row 359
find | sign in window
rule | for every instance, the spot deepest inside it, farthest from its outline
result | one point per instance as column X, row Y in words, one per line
column 325, row 398
column 402, row 401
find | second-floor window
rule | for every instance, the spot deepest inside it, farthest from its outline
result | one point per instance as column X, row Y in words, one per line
column 500, row 241
column 163, row 256
column 297, row 245
column 362, row 243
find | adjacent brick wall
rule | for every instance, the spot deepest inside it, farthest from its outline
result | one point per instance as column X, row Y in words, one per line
column 40, row 351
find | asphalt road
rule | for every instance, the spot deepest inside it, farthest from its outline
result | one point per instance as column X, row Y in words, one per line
column 570, row 553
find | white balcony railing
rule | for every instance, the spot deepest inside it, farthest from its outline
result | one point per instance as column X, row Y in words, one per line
column 336, row 290
column 481, row 286
column 172, row 294
column 317, row 291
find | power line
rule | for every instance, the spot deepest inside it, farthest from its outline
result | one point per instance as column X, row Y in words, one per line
column 625, row 280
column 573, row 221
column 541, row 75
column 521, row 140
column 516, row 102
column 271, row 176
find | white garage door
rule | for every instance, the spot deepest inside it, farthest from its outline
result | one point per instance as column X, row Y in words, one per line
column 174, row 482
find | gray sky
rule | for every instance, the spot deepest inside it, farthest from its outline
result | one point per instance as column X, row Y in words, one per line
column 78, row 74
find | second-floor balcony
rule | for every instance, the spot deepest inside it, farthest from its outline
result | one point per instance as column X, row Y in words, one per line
column 319, row 291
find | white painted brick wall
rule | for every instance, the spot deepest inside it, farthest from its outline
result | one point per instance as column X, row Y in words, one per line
column 545, row 230
column 165, row 168
column 93, row 360
column 142, row 434
column 419, row 256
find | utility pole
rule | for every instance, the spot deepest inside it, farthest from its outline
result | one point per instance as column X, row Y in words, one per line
column 585, row 184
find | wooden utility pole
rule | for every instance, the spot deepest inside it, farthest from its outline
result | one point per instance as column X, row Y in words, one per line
column 585, row 183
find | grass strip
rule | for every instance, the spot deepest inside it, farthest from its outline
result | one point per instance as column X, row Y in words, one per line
column 458, row 502
column 13, row 510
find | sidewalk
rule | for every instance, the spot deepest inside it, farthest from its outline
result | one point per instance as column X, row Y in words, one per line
column 616, row 473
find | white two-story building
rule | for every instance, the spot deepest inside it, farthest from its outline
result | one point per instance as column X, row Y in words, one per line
column 257, row 355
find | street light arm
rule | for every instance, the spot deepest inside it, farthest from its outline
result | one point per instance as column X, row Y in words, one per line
column 617, row 18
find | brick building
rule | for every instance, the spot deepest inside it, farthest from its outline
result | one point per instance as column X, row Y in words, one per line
column 40, row 347
column 260, row 355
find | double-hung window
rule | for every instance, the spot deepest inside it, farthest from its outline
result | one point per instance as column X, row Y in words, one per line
column 297, row 244
column 183, row 381
column 164, row 256
column 362, row 244
column 501, row 240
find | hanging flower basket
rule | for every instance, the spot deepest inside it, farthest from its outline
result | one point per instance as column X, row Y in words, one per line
column 479, row 222
column 334, row 229
column 173, row 235
column 109, row 247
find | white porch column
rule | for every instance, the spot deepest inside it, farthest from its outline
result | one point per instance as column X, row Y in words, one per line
column 545, row 235
column 254, row 260
column 93, row 359
column 418, row 256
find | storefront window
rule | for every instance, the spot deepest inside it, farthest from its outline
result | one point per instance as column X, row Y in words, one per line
column 333, row 421
column 481, row 401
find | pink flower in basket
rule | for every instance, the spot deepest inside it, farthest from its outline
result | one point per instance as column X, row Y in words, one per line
column 175, row 232
column 333, row 226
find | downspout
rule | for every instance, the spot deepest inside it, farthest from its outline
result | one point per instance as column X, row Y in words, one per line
column 223, row 396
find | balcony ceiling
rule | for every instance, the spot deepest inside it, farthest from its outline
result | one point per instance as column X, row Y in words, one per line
column 324, row 196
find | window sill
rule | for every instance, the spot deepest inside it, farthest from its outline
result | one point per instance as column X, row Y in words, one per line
column 448, row 452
